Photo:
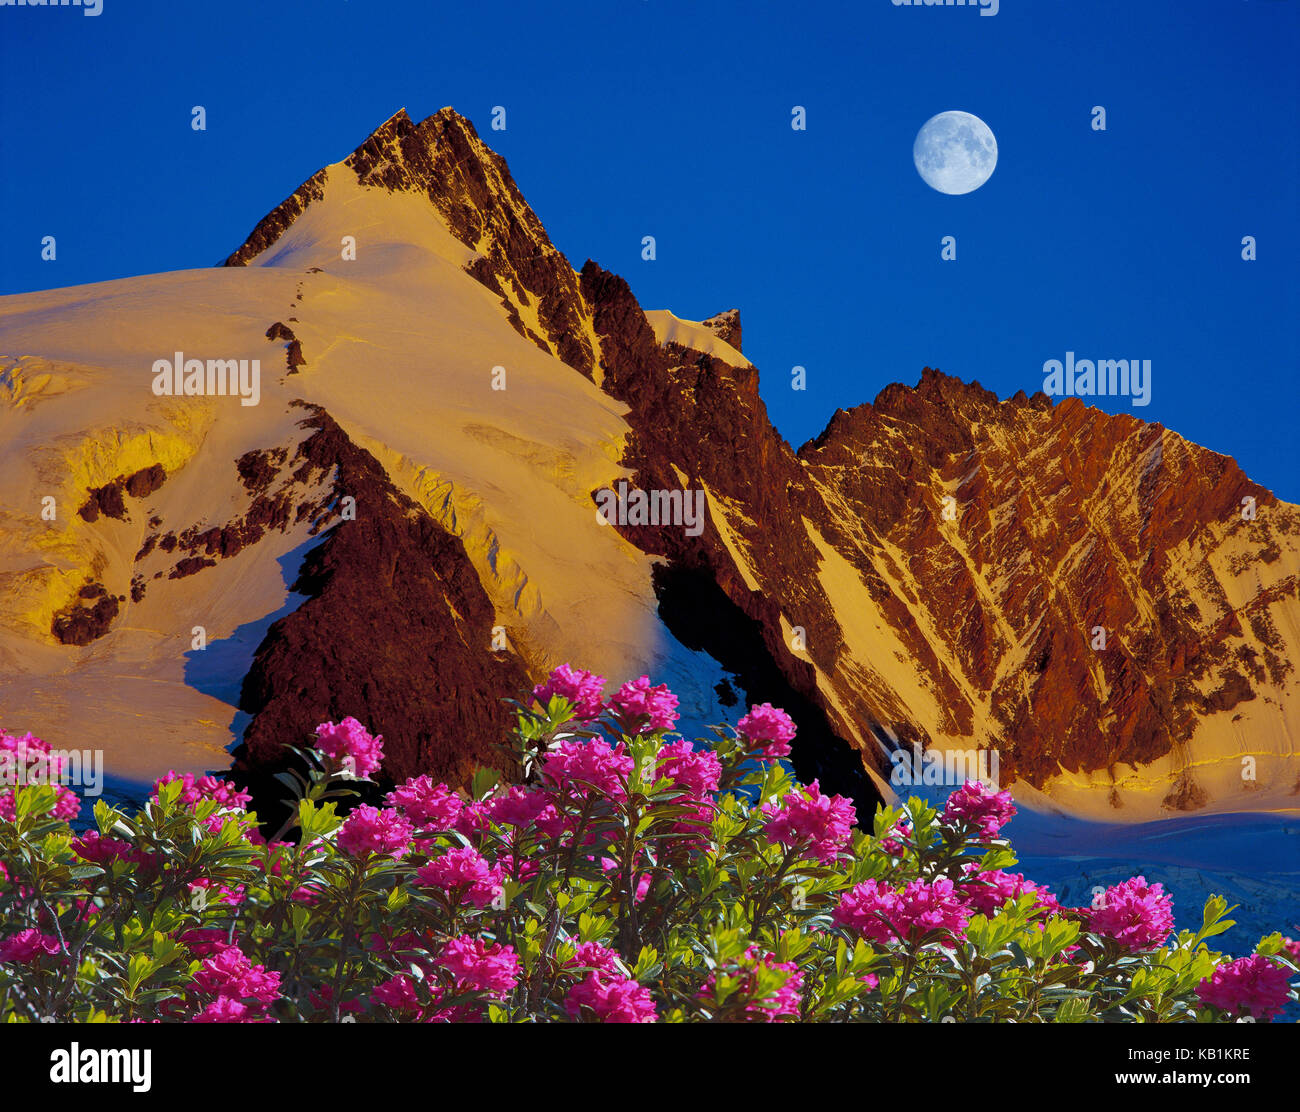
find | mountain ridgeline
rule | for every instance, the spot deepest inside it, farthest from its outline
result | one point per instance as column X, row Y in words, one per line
column 1083, row 593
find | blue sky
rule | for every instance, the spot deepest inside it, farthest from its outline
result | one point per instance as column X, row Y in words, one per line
column 628, row 118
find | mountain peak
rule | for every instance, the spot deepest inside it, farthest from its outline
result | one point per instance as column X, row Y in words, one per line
column 470, row 187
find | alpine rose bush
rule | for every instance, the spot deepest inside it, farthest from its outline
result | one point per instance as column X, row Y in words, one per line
column 616, row 873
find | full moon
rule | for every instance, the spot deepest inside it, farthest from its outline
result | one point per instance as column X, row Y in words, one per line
column 955, row 152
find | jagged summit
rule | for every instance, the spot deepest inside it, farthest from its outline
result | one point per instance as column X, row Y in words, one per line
column 469, row 185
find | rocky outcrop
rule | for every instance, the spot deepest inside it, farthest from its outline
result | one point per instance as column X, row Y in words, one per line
column 110, row 499
column 86, row 618
column 396, row 631
column 726, row 326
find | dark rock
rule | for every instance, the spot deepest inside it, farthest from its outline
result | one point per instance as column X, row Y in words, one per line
column 80, row 625
column 431, row 685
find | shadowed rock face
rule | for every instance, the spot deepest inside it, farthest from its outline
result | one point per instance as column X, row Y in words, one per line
column 396, row 632
column 934, row 566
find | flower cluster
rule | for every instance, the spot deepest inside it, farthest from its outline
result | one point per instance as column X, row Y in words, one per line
column 476, row 966
column 1254, row 986
column 644, row 708
column 783, row 1001
column 204, row 787
column 988, row 890
column 819, row 825
column 583, row 689
column 371, row 830
column 428, row 805
column 233, row 989
column 28, row 946
column 1138, row 916
column 349, row 743
column 579, row 767
column 885, row 914
column 768, row 729
column 624, row 878
column 463, row 871
column 981, row 807
column 27, row 760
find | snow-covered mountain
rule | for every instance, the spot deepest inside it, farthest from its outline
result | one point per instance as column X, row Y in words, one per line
column 404, row 526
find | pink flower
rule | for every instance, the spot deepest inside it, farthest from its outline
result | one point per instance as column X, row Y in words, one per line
column 398, row 994
column 1253, row 985
column 428, row 806
column 493, row 969
column 696, row 772
column 27, row 946
column 473, row 819
column 202, row 941
column 884, row 914
column 582, row 689
column 351, row 745
column 981, row 807
column 1133, row 914
column 987, row 892
column 189, row 793
column 895, row 845
column 580, row 767
column 643, row 708
column 26, row 759
column 768, row 727
column 370, row 830
column 822, row 824
column 784, row 1001
column 233, row 896
column 612, row 998
column 95, row 847
column 595, row 957
column 932, row 905
column 1290, row 945
column 228, row 972
column 205, row 787
column 226, row 1009
column 523, row 808
column 463, row 870
column 224, row 792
